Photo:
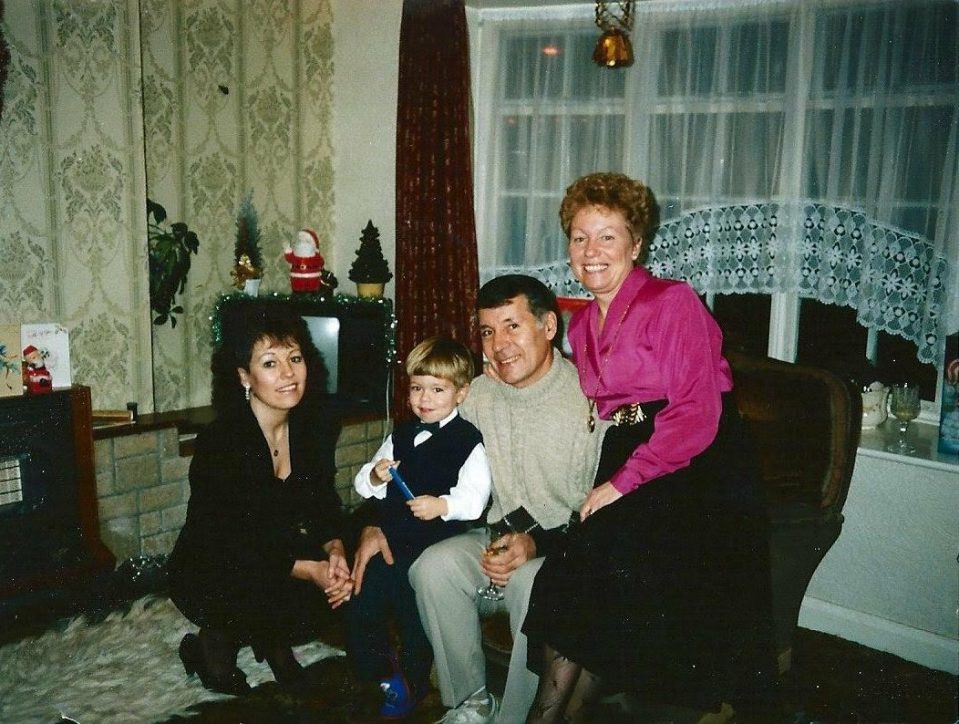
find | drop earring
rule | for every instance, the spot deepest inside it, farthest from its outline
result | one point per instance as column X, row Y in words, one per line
column 246, row 392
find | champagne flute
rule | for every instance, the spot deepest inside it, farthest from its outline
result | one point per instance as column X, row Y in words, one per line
column 904, row 406
column 491, row 591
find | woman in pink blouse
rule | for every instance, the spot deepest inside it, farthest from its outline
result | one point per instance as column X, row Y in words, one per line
column 663, row 589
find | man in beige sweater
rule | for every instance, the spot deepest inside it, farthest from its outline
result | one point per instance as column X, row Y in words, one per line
column 543, row 460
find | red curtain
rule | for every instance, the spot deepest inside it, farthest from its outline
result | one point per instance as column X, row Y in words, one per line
column 436, row 263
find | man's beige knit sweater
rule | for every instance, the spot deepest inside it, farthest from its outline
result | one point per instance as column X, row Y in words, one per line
column 540, row 452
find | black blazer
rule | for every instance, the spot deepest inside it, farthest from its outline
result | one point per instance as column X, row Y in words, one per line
column 244, row 527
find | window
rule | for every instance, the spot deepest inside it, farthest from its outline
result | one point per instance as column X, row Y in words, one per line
column 804, row 156
column 744, row 319
column 551, row 121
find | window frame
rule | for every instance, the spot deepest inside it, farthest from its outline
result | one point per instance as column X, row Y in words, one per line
column 487, row 28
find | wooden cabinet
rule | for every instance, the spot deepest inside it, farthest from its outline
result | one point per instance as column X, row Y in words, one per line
column 49, row 530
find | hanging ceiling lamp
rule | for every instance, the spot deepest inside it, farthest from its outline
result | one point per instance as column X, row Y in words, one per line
column 615, row 19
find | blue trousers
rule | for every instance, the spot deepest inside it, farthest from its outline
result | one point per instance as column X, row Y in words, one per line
column 387, row 597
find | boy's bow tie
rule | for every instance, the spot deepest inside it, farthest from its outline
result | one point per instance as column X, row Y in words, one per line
column 430, row 427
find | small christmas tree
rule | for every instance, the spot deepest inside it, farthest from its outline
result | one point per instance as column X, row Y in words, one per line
column 246, row 253
column 370, row 266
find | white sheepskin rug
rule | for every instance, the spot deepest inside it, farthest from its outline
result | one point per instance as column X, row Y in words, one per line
column 123, row 669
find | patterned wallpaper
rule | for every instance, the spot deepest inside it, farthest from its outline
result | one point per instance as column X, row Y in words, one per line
column 236, row 97
column 71, row 189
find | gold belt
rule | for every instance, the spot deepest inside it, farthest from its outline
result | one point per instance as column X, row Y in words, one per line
column 628, row 414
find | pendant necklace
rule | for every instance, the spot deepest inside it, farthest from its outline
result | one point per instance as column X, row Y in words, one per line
column 590, row 420
column 276, row 450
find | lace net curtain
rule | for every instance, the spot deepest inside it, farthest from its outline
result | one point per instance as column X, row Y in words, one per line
column 793, row 147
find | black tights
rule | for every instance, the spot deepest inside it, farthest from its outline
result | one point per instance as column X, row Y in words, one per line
column 219, row 652
column 286, row 669
column 564, row 686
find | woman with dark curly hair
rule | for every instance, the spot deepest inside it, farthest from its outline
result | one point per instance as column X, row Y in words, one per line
column 261, row 553
column 663, row 588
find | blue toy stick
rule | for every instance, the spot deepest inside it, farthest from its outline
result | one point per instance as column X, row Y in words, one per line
column 404, row 488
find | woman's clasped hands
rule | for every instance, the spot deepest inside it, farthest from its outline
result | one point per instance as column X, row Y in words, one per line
column 332, row 575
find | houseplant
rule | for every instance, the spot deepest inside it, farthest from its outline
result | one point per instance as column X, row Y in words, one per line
column 169, row 253
column 370, row 270
column 248, row 259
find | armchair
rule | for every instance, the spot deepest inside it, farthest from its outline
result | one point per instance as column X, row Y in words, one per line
column 805, row 424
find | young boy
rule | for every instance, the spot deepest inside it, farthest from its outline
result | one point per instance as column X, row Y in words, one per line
column 441, row 458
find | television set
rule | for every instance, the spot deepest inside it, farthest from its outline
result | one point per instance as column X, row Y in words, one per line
column 354, row 335
column 325, row 334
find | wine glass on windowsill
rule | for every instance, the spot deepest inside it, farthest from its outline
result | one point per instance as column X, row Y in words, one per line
column 904, row 406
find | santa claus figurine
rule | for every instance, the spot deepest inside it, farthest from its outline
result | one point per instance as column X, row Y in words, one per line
column 37, row 375
column 306, row 262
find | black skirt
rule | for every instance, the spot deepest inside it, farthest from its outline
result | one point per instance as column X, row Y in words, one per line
column 666, row 592
column 285, row 612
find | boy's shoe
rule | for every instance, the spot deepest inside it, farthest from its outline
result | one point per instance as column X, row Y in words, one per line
column 472, row 711
column 399, row 700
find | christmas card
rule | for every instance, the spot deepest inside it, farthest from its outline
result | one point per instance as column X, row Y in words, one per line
column 11, row 374
column 46, row 349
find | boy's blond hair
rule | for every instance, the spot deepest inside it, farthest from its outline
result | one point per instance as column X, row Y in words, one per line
column 441, row 357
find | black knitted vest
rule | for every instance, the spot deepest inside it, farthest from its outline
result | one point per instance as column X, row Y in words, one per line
column 431, row 468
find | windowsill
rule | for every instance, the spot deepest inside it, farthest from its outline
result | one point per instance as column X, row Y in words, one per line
column 923, row 436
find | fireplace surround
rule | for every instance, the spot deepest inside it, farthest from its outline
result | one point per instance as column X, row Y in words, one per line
column 49, row 532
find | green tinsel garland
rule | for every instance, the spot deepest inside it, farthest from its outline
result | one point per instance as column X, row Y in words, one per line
column 339, row 301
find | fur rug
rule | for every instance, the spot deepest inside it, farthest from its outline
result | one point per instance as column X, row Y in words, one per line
column 122, row 669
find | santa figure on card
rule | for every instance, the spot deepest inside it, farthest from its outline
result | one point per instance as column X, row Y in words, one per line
column 306, row 262
column 37, row 375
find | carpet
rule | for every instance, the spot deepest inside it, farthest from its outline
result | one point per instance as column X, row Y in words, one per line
column 124, row 668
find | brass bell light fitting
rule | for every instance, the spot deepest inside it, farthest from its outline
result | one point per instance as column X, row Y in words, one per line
column 613, row 49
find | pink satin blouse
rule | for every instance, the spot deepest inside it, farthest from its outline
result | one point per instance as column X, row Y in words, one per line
column 659, row 342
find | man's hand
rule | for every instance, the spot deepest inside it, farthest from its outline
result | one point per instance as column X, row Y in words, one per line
column 427, row 507
column 599, row 497
column 515, row 550
column 372, row 542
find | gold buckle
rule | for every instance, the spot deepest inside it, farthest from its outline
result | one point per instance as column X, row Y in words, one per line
column 628, row 414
